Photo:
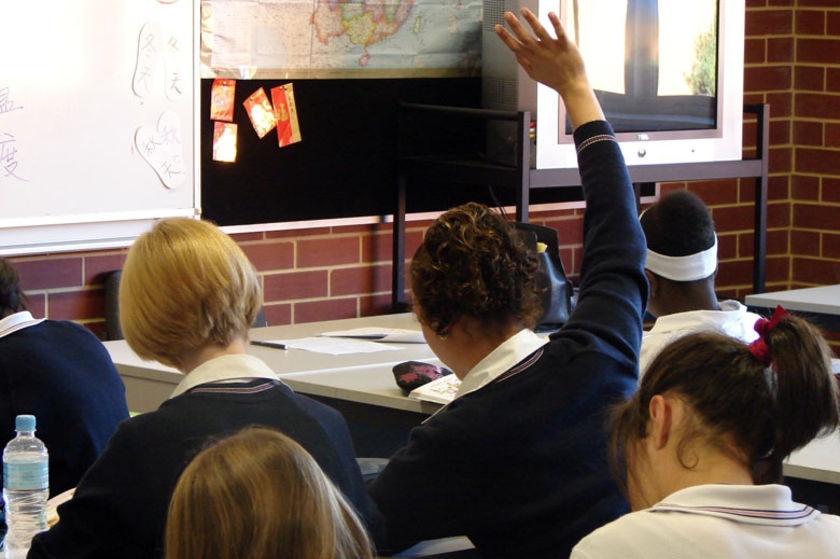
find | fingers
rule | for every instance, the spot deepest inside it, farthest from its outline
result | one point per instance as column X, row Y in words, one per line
column 523, row 36
column 535, row 24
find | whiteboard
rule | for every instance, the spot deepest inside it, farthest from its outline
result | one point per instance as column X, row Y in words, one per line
column 98, row 121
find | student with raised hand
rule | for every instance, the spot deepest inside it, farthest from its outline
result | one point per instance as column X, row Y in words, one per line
column 518, row 461
column 188, row 295
column 61, row 373
column 259, row 494
column 681, row 265
column 701, row 447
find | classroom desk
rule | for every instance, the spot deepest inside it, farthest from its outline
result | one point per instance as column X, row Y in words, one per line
column 819, row 304
column 362, row 387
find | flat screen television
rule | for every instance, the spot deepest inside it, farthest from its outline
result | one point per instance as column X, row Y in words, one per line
column 668, row 73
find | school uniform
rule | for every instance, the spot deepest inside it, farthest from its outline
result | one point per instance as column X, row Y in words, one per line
column 517, row 462
column 61, row 373
column 721, row 521
column 732, row 319
column 119, row 508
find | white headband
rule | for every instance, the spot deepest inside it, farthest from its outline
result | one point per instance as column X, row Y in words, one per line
column 690, row 267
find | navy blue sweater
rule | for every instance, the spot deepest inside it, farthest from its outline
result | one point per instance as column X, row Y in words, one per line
column 119, row 508
column 61, row 373
column 519, row 466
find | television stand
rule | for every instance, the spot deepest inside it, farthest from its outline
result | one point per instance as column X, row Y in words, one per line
column 426, row 165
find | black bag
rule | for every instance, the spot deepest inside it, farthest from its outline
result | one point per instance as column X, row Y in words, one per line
column 554, row 287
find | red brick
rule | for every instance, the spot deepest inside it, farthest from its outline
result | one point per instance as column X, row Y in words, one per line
column 754, row 4
column 767, row 78
column 780, row 49
column 807, row 133
column 810, row 22
column 76, row 305
column 778, row 214
column 777, row 242
column 97, row 265
column 816, row 4
column 329, row 309
column 816, row 272
column 270, row 256
column 832, row 134
column 818, row 105
column 736, row 272
column 780, row 3
column 778, row 188
column 832, row 79
column 328, row 252
column 777, row 268
column 781, row 104
column 833, row 24
column 278, row 314
column 769, row 22
column 296, row 285
column 378, row 246
column 239, row 238
column 297, row 233
column 806, row 188
column 831, row 245
column 805, row 243
column 755, row 51
column 831, row 189
column 821, row 161
column 375, row 305
column 49, row 273
column 733, row 218
column 809, row 78
column 727, row 246
column 822, row 51
column 361, row 280
column 816, row 216
column 780, row 159
column 715, row 193
column 37, row 304
column 780, row 132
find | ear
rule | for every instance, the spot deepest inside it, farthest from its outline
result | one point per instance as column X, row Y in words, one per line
column 653, row 281
column 661, row 421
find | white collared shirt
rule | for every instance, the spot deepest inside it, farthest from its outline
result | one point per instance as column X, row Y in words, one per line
column 17, row 321
column 233, row 367
column 500, row 360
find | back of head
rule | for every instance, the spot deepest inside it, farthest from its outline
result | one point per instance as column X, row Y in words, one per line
column 747, row 406
column 473, row 263
column 185, row 284
column 259, row 495
column 678, row 230
column 12, row 299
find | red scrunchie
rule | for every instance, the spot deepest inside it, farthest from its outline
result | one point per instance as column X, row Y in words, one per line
column 759, row 348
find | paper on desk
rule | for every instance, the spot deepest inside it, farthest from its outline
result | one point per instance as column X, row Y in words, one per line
column 386, row 335
column 335, row 346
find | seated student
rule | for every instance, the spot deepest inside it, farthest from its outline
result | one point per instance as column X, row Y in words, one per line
column 681, row 267
column 187, row 297
column 61, row 373
column 259, row 494
column 703, row 443
column 517, row 462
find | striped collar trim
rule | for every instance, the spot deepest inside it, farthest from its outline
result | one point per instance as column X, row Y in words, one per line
column 792, row 517
column 526, row 364
column 228, row 388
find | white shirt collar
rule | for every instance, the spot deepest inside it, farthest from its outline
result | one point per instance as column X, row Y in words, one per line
column 239, row 366
column 749, row 504
column 17, row 321
column 695, row 320
column 504, row 357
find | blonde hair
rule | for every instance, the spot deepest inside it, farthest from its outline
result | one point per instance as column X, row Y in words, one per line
column 184, row 285
column 259, row 495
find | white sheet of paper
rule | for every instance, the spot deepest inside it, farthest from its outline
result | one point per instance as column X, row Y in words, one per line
column 386, row 335
column 335, row 346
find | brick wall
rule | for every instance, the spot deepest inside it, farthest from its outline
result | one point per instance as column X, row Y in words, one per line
column 792, row 56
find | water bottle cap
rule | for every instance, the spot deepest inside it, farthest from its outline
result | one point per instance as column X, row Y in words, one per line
column 25, row 423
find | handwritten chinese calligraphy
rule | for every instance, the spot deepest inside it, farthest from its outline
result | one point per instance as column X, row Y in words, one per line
column 8, row 142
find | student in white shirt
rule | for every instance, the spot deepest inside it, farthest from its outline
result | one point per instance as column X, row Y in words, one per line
column 681, row 266
column 702, row 445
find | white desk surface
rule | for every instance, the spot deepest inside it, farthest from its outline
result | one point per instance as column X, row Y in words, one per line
column 818, row 461
column 359, row 377
column 823, row 300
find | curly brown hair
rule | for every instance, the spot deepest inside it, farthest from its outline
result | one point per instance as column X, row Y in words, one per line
column 473, row 263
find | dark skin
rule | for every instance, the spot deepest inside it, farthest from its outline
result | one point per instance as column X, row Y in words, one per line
column 670, row 297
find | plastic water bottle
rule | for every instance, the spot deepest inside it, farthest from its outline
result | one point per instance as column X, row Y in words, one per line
column 25, row 487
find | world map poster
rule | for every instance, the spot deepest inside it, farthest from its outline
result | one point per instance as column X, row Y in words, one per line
column 312, row 39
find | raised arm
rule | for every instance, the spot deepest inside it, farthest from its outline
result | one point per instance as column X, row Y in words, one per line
column 556, row 63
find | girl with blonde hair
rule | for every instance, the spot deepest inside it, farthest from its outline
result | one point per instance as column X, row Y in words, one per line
column 259, row 495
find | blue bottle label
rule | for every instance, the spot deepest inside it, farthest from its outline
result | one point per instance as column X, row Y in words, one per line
column 27, row 475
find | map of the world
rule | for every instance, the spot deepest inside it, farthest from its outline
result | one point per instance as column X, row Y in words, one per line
column 338, row 39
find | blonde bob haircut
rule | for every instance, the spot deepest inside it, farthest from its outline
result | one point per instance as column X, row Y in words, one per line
column 185, row 285
column 259, row 495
